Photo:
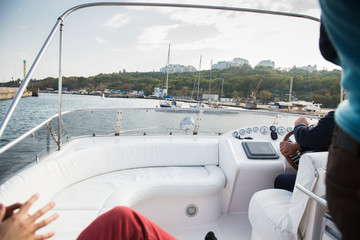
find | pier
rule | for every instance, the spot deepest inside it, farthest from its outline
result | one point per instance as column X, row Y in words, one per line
column 9, row 93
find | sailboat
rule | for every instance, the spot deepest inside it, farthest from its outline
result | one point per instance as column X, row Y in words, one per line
column 168, row 102
column 199, row 103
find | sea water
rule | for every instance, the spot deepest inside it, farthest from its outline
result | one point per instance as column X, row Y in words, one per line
column 32, row 111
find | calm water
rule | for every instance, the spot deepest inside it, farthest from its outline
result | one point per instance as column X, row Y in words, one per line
column 32, row 111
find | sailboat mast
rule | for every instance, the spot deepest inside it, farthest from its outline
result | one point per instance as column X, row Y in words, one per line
column 210, row 76
column 290, row 92
column 167, row 70
column 222, row 88
column 198, row 87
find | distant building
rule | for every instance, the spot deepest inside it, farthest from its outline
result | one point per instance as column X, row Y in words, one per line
column 211, row 97
column 226, row 100
column 117, row 92
column 266, row 63
column 236, row 62
column 137, row 93
column 309, row 68
column 176, row 68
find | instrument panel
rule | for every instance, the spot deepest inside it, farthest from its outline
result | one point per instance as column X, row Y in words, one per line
column 264, row 130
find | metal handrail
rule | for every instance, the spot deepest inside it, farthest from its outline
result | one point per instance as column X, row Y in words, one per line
column 312, row 195
column 59, row 23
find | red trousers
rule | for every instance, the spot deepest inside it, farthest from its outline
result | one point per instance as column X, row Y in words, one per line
column 123, row 223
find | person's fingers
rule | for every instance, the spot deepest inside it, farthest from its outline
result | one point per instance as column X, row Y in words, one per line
column 42, row 211
column 10, row 209
column 14, row 206
column 46, row 221
column 45, row 236
column 2, row 212
column 26, row 206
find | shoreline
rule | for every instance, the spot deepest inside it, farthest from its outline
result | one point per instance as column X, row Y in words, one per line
column 263, row 107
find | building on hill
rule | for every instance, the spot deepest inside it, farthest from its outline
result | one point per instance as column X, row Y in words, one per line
column 176, row 68
column 309, row 68
column 236, row 62
column 266, row 63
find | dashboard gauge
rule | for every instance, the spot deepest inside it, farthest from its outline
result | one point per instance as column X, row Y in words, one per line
column 281, row 130
column 272, row 128
column 289, row 129
column 264, row 130
column 255, row 129
column 235, row 134
column 242, row 132
column 248, row 130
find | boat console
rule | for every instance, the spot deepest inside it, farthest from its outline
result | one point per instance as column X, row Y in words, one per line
column 251, row 160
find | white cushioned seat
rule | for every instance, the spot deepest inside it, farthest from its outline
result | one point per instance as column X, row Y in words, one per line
column 85, row 158
column 90, row 176
column 279, row 214
column 81, row 203
column 267, row 211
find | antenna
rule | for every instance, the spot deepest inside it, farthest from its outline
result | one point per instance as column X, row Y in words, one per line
column 198, row 86
column 24, row 69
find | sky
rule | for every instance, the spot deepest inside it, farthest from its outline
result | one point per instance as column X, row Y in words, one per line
column 113, row 39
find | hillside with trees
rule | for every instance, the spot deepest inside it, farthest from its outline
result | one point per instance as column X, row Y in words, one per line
column 238, row 82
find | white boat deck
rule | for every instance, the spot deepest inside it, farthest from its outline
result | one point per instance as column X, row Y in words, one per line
column 158, row 176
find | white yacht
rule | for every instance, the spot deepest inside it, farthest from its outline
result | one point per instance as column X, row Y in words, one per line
column 213, row 172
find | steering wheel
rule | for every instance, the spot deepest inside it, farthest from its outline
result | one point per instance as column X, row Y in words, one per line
column 293, row 159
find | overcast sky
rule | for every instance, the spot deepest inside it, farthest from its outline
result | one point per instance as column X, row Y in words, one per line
column 110, row 39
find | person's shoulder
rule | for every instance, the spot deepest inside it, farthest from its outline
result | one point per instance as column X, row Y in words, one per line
column 330, row 114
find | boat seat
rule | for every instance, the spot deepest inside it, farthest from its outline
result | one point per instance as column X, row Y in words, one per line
column 81, row 203
column 280, row 214
column 92, row 175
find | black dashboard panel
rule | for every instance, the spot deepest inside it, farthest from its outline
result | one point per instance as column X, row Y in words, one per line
column 259, row 150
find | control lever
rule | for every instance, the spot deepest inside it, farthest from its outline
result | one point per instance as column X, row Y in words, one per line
column 273, row 134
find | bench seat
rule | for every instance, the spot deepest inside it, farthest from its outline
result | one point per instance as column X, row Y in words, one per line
column 79, row 204
column 92, row 175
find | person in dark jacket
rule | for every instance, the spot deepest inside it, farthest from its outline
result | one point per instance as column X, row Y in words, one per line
column 315, row 138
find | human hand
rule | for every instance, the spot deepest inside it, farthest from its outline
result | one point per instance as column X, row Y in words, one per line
column 288, row 148
column 9, row 210
column 21, row 225
column 302, row 120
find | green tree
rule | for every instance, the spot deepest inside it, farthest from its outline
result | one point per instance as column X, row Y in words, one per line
column 265, row 96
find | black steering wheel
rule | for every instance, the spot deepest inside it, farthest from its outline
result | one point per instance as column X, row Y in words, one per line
column 293, row 159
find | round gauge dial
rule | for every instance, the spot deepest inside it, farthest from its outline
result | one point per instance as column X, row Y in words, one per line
column 242, row 132
column 281, row 130
column 272, row 128
column 248, row 130
column 255, row 129
column 289, row 129
column 264, row 130
column 235, row 134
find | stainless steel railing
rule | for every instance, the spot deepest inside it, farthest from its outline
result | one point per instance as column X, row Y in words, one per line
column 59, row 23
